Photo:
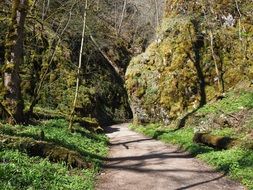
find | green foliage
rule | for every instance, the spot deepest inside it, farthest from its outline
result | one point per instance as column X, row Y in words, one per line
column 51, row 56
column 231, row 116
column 234, row 102
column 226, row 132
column 237, row 162
column 57, row 131
column 18, row 171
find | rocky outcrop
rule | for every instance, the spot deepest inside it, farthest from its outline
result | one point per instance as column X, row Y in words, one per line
column 202, row 50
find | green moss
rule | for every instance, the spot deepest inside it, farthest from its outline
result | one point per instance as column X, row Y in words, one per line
column 180, row 64
column 140, row 92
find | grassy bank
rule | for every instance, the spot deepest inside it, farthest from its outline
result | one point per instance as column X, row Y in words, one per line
column 20, row 171
column 236, row 108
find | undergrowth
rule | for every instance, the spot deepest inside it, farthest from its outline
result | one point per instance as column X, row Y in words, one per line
column 234, row 101
column 19, row 171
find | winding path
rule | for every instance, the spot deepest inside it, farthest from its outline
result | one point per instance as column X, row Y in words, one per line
column 136, row 162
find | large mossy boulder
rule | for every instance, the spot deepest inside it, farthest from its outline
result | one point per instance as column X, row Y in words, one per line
column 201, row 50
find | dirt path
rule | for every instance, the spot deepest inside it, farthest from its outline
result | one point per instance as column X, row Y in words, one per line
column 140, row 163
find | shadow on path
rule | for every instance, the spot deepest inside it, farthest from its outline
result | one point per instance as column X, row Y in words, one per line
column 109, row 129
column 138, row 162
column 160, row 156
column 129, row 142
column 201, row 183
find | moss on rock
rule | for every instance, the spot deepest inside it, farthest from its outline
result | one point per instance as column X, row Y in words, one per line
column 44, row 149
column 199, row 47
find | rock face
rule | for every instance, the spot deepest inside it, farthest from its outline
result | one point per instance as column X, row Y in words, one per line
column 202, row 49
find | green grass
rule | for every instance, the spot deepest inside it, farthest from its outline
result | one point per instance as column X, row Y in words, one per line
column 237, row 162
column 235, row 101
column 19, row 171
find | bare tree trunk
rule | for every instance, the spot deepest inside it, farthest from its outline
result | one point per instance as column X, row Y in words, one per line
column 79, row 68
column 115, row 8
column 240, row 14
column 45, row 9
column 218, row 75
column 13, row 101
column 156, row 13
column 119, row 72
column 122, row 16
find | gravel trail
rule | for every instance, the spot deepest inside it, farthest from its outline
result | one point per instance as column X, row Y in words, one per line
column 137, row 162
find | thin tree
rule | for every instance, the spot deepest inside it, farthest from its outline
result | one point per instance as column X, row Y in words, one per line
column 122, row 17
column 218, row 74
column 240, row 16
column 113, row 65
column 79, row 68
column 13, row 101
column 156, row 13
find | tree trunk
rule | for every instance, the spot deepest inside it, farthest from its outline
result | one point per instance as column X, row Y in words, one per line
column 13, row 101
column 117, row 70
column 218, row 73
column 122, row 17
column 156, row 13
column 214, row 141
column 79, row 69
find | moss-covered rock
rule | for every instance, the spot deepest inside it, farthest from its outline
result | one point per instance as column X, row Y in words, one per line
column 202, row 49
column 44, row 149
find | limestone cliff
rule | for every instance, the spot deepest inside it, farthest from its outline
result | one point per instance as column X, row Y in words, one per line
column 202, row 49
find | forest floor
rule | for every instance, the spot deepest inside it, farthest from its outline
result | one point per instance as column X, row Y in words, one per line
column 138, row 162
column 30, row 161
